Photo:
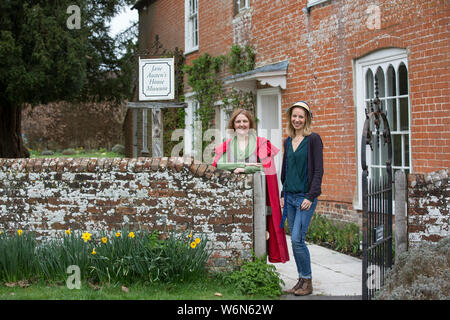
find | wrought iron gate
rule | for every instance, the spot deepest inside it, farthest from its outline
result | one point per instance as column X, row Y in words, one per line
column 377, row 202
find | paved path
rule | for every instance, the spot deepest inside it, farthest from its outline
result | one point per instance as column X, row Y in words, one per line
column 335, row 275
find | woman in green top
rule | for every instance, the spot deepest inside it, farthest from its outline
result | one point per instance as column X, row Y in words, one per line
column 241, row 156
column 247, row 153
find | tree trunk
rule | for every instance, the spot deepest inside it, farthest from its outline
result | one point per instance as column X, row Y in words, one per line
column 11, row 143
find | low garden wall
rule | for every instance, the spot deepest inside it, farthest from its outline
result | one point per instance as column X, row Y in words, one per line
column 428, row 207
column 49, row 196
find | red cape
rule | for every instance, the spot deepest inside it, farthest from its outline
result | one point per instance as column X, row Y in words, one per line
column 276, row 246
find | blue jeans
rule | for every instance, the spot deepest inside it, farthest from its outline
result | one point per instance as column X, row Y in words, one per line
column 298, row 221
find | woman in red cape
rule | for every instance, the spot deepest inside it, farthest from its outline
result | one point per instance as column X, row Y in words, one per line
column 243, row 154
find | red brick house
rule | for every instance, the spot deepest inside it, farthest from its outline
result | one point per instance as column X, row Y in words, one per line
column 327, row 52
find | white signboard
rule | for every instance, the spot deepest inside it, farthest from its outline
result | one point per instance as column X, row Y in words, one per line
column 156, row 79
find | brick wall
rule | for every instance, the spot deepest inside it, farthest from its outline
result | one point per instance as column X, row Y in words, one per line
column 50, row 195
column 428, row 207
column 321, row 47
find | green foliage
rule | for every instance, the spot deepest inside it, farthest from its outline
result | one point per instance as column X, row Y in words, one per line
column 241, row 60
column 42, row 60
column 421, row 273
column 256, row 278
column 17, row 259
column 122, row 257
column 203, row 77
column 344, row 238
column 174, row 118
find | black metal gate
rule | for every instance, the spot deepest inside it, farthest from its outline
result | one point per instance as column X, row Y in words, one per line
column 377, row 201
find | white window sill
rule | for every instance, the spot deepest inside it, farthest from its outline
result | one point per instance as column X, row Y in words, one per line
column 191, row 50
column 312, row 3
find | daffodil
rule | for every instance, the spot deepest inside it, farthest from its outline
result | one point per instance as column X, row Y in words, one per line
column 19, row 232
column 86, row 236
column 68, row 232
column 190, row 235
column 131, row 235
column 104, row 239
column 117, row 234
column 193, row 245
column 93, row 252
column 197, row 240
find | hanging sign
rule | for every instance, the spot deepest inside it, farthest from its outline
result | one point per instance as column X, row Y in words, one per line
column 156, row 79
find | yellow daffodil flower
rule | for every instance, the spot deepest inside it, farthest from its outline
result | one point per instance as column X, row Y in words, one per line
column 86, row 236
column 68, row 232
column 131, row 235
column 197, row 240
column 93, row 252
column 19, row 232
column 117, row 234
column 193, row 245
column 190, row 235
column 104, row 239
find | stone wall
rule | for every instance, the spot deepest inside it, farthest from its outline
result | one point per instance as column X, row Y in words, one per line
column 428, row 207
column 51, row 195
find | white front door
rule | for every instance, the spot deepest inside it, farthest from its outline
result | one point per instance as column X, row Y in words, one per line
column 268, row 114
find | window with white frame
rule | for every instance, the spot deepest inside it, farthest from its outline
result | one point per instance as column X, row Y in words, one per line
column 390, row 67
column 240, row 5
column 191, row 26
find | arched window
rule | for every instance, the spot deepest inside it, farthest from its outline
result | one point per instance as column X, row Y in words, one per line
column 390, row 67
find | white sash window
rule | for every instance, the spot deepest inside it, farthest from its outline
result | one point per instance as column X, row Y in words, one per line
column 390, row 66
column 191, row 26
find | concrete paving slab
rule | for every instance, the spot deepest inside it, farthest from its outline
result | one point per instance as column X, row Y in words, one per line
column 334, row 274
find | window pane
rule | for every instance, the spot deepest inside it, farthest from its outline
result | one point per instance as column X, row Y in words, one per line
column 381, row 82
column 369, row 84
column 403, row 79
column 383, row 151
column 397, row 152
column 406, row 137
column 375, row 152
column 391, row 105
column 391, row 83
column 375, row 174
column 404, row 114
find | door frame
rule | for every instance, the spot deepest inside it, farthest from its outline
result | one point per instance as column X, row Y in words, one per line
column 266, row 92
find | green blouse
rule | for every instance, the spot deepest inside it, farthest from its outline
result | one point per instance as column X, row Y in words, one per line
column 297, row 175
column 237, row 157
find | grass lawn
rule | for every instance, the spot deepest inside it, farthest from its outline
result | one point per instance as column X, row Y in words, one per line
column 79, row 154
column 200, row 290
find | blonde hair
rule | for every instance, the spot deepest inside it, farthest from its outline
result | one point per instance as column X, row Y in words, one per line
column 307, row 128
column 251, row 119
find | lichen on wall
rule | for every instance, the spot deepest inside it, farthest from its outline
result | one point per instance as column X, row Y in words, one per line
column 48, row 196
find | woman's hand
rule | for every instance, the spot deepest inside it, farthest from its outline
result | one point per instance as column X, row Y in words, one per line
column 282, row 202
column 306, row 204
column 253, row 164
column 239, row 170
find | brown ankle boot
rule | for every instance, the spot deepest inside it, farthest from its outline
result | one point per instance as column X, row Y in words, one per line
column 305, row 288
column 296, row 287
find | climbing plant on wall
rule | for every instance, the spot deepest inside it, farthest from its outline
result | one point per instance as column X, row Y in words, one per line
column 204, row 78
column 173, row 118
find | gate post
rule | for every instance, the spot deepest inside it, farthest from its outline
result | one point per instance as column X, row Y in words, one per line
column 401, row 232
column 259, row 214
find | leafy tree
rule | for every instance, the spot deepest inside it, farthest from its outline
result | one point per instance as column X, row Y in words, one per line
column 43, row 60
